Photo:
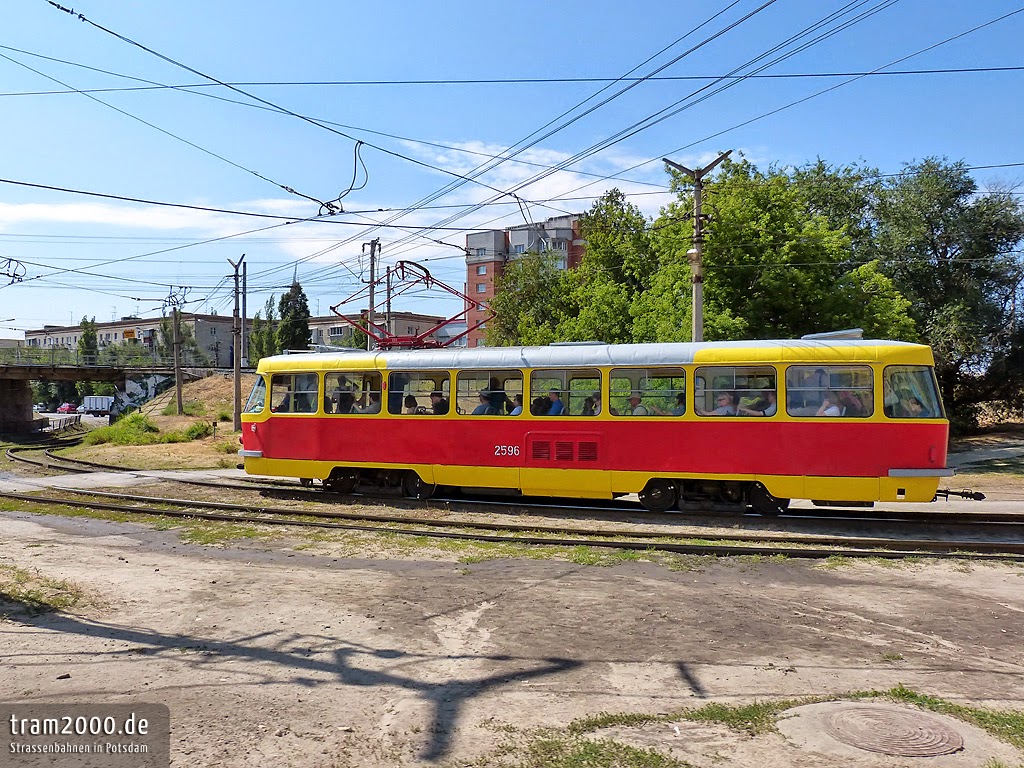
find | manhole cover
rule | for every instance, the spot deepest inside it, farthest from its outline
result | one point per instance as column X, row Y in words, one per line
column 904, row 733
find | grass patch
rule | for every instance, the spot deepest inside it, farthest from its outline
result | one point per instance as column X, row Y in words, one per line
column 188, row 408
column 134, row 429
column 761, row 717
column 1007, row 725
column 557, row 751
column 210, row 533
column 22, row 590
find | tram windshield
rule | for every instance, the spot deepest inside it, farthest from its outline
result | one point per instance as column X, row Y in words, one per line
column 258, row 396
column 910, row 392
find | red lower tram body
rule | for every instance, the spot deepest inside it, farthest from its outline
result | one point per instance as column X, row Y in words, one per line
column 728, row 460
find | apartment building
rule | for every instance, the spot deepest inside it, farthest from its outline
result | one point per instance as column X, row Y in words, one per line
column 487, row 254
column 211, row 332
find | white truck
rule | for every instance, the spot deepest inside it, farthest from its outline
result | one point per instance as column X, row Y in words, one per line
column 98, row 405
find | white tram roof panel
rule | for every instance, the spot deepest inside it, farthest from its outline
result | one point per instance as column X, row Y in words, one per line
column 612, row 355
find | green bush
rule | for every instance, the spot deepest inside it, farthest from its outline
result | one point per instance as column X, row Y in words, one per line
column 199, row 430
column 134, row 429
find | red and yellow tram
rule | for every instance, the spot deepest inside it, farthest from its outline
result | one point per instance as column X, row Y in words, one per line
column 755, row 422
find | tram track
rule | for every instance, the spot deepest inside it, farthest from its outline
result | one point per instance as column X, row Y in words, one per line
column 295, row 489
column 988, row 524
column 814, row 547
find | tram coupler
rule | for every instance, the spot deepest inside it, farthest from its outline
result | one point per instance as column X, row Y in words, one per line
column 966, row 493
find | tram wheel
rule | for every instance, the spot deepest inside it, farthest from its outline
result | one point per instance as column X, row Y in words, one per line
column 658, row 495
column 415, row 487
column 766, row 504
column 343, row 481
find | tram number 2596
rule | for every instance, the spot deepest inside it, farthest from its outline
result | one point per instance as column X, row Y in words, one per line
column 506, row 450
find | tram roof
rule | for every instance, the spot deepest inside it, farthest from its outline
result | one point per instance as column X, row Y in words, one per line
column 615, row 355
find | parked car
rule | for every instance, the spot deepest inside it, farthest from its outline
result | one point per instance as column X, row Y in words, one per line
column 38, row 408
column 81, row 409
column 66, row 408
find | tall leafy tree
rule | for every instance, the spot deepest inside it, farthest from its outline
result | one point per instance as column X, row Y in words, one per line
column 293, row 328
column 88, row 342
column 532, row 300
column 779, row 257
column 618, row 267
column 951, row 251
column 263, row 334
column 88, row 353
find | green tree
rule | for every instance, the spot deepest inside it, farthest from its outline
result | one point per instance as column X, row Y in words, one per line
column 88, row 354
column 88, row 342
column 126, row 353
column 532, row 299
column 263, row 334
column 617, row 269
column 779, row 257
column 951, row 251
column 355, row 340
column 293, row 329
column 191, row 354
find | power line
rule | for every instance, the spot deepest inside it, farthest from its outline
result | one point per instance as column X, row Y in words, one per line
column 319, row 218
column 271, row 104
column 677, row 150
column 636, row 127
column 500, row 81
column 174, row 136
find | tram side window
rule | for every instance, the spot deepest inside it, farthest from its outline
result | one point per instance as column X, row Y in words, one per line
column 258, row 396
column 569, row 392
column 352, row 392
column 735, row 391
column 910, row 392
column 294, row 392
column 488, row 393
column 648, row 392
column 424, row 393
column 846, row 391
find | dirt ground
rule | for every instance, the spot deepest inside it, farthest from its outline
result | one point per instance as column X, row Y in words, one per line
column 269, row 655
column 300, row 653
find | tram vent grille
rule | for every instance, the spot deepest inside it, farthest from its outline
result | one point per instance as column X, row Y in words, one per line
column 564, row 451
column 541, row 450
column 587, row 452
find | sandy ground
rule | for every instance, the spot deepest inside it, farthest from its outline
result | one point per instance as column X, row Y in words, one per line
column 276, row 653
column 271, row 656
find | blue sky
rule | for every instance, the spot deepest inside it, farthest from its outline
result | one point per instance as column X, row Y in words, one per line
column 195, row 148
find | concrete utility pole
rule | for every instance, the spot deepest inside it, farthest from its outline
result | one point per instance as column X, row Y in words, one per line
column 177, row 359
column 695, row 254
column 374, row 250
column 236, row 348
column 245, row 293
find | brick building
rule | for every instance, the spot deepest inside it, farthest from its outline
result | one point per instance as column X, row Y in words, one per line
column 488, row 253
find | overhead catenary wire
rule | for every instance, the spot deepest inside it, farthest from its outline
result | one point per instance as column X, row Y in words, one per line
column 170, row 134
column 622, row 134
column 479, row 170
column 256, row 98
column 657, row 158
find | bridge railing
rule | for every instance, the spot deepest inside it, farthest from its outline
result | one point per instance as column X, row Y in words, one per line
column 59, row 423
column 64, row 356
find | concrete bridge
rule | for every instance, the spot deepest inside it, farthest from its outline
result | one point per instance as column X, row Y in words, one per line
column 20, row 367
